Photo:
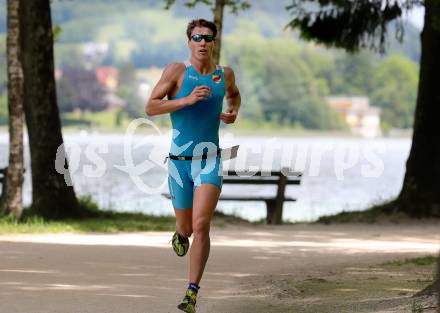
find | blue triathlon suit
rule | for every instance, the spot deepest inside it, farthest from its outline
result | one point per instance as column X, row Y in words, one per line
column 195, row 132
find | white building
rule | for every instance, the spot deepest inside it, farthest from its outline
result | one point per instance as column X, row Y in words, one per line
column 93, row 52
column 362, row 118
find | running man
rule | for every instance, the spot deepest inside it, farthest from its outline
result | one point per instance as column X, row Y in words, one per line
column 195, row 91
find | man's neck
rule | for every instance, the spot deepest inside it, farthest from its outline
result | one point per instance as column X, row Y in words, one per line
column 202, row 66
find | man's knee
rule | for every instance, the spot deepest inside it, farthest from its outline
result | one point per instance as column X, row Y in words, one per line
column 201, row 227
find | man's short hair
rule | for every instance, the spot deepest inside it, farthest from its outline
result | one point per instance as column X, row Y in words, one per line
column 200, row 23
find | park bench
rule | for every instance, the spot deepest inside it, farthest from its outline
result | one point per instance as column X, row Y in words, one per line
column 3, row 172
column 274, row 203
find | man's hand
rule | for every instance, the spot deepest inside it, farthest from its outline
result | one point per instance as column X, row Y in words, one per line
column 229, row 117
column 198, row 93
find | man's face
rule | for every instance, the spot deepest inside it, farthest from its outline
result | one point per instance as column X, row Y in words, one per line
column 201, row 50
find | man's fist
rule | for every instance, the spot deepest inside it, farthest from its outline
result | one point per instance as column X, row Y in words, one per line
column 229, row 117
column 198, row 93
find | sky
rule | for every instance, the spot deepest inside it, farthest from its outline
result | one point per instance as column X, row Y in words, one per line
column 416, row 16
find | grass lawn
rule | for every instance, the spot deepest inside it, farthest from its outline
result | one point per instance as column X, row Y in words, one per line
column 110, row 223
column 101, row 221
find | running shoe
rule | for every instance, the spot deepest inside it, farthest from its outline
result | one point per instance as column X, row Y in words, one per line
column 180, row 244
column 188, row 303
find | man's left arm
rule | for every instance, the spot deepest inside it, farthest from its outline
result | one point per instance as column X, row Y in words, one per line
column 233, row 98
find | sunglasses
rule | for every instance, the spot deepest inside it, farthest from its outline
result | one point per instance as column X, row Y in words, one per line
column 199, row 37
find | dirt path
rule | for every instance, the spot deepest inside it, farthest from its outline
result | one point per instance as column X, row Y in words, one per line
column 251, row 269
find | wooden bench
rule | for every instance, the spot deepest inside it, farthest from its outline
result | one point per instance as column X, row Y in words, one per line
column 274, row 204
column 3, row 172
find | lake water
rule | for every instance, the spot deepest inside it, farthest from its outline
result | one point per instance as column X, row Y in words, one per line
column 339, row 173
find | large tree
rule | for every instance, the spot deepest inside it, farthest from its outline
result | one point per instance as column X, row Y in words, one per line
column 12, row 191
column 356, row 24
column 218, row 7
column 51, row 197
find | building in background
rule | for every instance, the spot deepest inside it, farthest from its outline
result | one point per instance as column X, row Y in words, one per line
column 93, row 90
column 94, row 53
column 108, row 77
column 361, row 118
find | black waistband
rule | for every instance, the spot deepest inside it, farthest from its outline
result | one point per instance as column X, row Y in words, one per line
column 195, row 157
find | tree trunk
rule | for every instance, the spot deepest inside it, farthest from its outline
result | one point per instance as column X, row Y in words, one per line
column 12, row 199
column 420, row 194
column 218, row 20
column 437, row 282
column 51, row 197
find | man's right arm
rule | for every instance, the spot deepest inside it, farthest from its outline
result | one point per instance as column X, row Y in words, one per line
column 156, row 104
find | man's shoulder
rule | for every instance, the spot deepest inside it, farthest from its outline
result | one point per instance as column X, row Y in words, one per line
column 176, row 66
column 174, row 70
column 228, row 71
column 229, row 75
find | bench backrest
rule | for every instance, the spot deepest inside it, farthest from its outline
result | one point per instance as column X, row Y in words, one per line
column 262, row 178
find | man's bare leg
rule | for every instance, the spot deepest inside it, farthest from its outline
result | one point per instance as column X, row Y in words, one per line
column 184, row 222
column 204, row 204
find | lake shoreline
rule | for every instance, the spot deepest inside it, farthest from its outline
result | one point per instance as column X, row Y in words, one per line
column 339, row 174
column 282, row 132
